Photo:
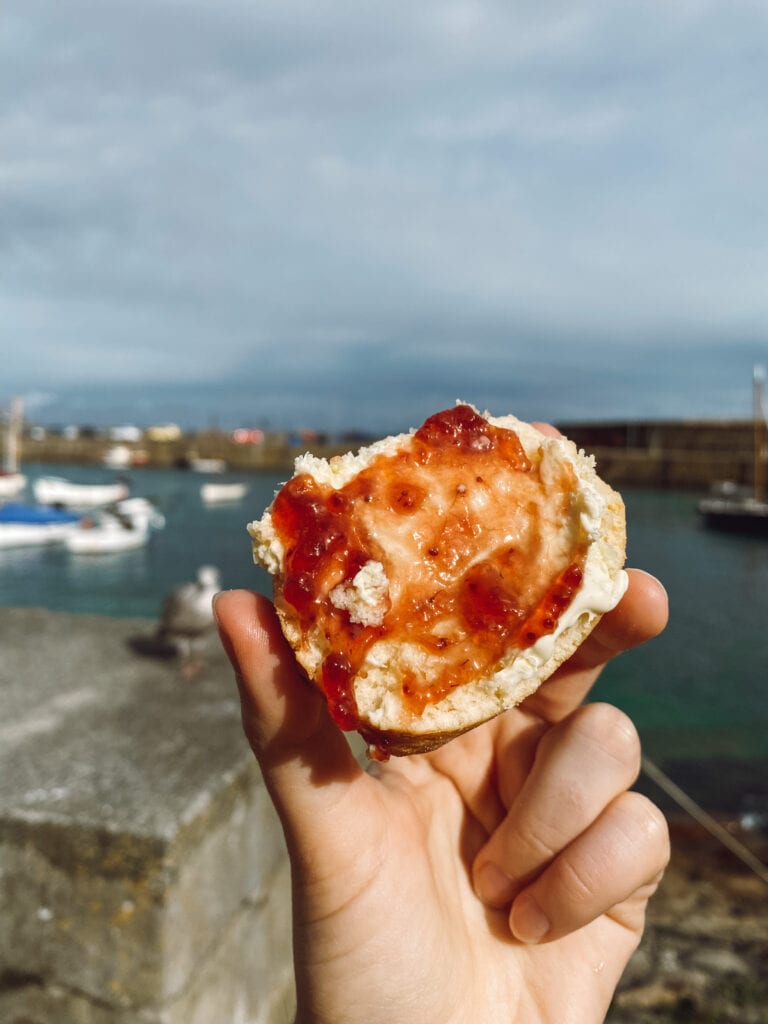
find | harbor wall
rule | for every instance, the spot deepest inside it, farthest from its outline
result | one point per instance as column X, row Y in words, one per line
column 670, row 455
column 143, row 872
column 658, row 454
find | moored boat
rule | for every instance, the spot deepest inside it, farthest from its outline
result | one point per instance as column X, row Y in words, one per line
column 200, row 465
column 736, row 509
column 23, row 525
column 215, row 493
column 54, row 490
column 123, row 527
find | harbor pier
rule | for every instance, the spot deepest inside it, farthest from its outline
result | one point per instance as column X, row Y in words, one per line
column 671, row 454
column 143, row 875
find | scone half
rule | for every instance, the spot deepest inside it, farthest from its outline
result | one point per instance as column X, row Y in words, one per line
column 435, row 579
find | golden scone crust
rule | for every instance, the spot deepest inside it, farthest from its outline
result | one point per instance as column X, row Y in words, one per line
column 588, row 517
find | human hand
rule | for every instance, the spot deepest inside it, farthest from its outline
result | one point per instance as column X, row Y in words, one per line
column 501, row 878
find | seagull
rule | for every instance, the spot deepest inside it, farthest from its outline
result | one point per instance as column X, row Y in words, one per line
column 186, row 618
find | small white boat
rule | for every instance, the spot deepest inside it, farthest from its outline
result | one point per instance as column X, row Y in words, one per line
column 54, row 490
column 218, row 493
column 117, row 457
column 23, row 525
column 11, row 484
column 122, row 527
column 206, row 465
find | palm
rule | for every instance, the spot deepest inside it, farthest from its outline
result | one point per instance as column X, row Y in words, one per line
column 388, row 924
column 408, row 887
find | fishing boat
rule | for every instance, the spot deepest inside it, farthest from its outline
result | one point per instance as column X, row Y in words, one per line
column 125, row 526
column 215, row 493
column 23, row 525
column 12, row 482
column 54, row 490
column 743, row 509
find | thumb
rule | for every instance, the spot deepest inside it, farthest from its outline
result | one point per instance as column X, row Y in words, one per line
column 308, row 766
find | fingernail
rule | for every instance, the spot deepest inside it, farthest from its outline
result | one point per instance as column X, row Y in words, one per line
column 528, row 921
column 493, row 886
column 651, row 577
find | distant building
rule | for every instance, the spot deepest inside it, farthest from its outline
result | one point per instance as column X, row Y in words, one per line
column 163, row 432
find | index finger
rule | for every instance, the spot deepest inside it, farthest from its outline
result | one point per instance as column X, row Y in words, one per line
column 640, row 615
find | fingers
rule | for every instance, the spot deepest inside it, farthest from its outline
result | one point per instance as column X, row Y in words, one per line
column 621, row 856
column 641, row 615
column 547, row 429
column 306, row 761
column 581, row 766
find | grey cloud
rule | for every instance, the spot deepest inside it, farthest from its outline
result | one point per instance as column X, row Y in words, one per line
column 420, row 194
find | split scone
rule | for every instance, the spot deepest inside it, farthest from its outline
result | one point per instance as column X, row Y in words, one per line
column 437, row 578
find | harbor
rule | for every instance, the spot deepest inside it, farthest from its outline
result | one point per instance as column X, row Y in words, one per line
column 149, row 785
column 665, row 454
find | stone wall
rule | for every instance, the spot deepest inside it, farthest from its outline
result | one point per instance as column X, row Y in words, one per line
column 143, row 876
column 687, row 454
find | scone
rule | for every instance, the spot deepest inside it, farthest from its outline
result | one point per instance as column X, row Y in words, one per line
column 437, row 578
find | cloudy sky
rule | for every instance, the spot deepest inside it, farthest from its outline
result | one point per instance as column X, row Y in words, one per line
column 348, row 214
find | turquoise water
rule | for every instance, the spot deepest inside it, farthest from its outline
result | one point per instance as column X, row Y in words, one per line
column 697, row 691
column 133, row 583
column 701, row 688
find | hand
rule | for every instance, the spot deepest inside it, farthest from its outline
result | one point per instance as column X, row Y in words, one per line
column 501, row 878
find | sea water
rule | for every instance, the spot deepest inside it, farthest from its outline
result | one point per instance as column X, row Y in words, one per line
column 698, row 691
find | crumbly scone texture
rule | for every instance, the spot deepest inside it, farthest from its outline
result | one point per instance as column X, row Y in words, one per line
column 385, row 723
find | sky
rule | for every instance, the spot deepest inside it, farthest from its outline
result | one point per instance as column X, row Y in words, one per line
column 347, row 215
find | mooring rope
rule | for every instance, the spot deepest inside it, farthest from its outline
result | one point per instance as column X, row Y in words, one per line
column 681, row 798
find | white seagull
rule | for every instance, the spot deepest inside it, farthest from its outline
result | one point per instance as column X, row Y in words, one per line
column 186, row 618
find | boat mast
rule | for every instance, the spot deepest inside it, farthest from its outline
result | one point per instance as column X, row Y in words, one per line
column 759, row 425
column 11, row 461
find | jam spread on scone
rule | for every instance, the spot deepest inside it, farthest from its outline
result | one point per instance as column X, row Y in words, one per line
column 460, row 544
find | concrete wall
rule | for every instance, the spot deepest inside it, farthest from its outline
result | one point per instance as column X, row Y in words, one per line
column 143, row 876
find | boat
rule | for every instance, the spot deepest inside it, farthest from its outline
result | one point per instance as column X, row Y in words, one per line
column 215, row 493
column 12, row 482
column 121, row 456
column 23, row 525
column 738, row 509
column 54, row 490
column 125, row 526
column 200, row 465
column 117, row 457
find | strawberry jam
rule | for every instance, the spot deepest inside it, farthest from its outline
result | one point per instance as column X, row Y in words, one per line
column 480, row 555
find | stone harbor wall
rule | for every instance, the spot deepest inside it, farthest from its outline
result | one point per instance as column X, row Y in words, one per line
column 143, row 876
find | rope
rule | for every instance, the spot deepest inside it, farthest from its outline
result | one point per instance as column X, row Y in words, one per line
column 698, row 813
